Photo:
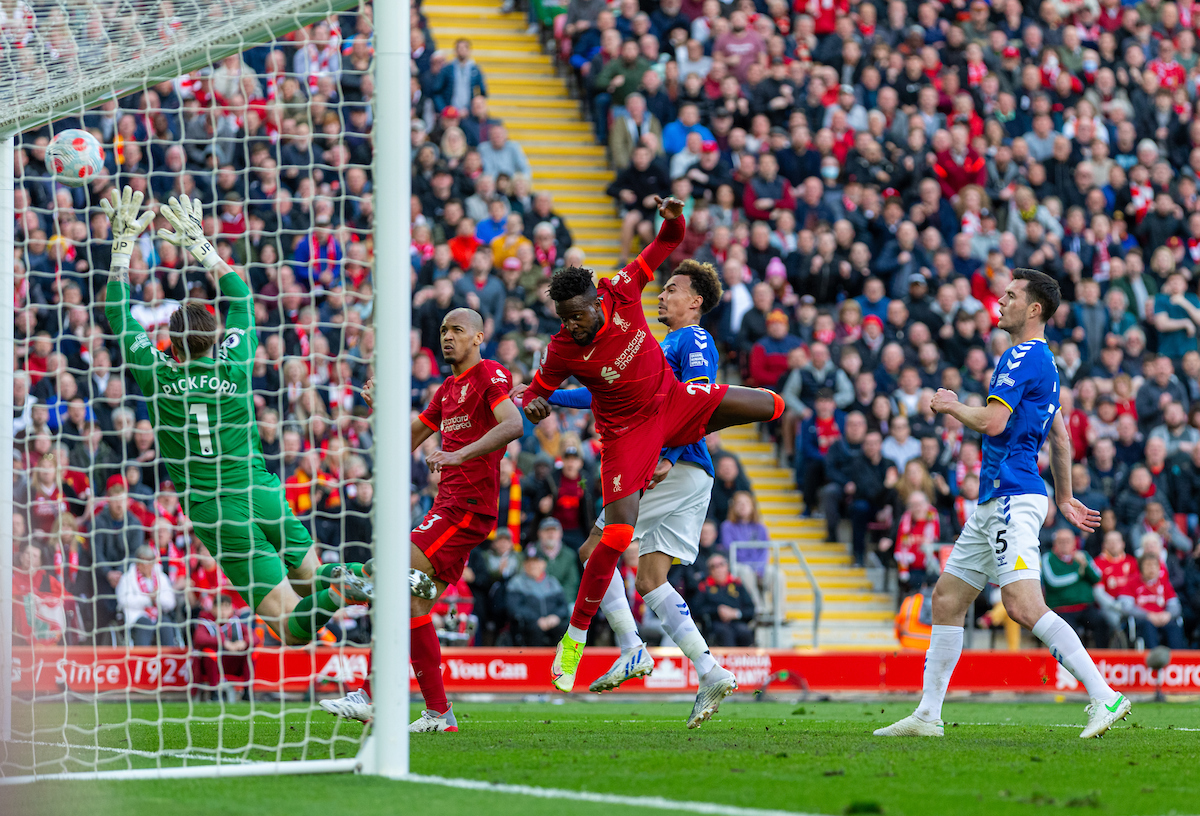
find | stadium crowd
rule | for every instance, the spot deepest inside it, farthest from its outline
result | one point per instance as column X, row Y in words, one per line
column 863, row 176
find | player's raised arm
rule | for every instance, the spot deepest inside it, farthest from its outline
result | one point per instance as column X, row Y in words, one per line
column 670, row 235
column 122, row 212
column 186, row 217
column 1072, row 508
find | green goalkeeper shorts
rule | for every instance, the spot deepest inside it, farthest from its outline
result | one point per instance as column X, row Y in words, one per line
column 254, row 540
column 274, row 519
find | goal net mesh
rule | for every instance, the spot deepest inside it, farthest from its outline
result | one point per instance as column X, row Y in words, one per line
column 132, row 648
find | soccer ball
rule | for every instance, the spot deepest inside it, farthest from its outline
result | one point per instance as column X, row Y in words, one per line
column 75, row 156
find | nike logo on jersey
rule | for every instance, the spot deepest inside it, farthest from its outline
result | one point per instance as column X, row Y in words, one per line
column 588, row 356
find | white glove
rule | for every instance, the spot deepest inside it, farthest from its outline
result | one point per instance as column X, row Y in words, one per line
column 126, row 226
column 187, row 219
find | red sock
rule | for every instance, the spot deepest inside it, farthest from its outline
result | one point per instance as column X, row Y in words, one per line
column 779, row 404
column 427, row 663
column 366, row 687
column 597, row 575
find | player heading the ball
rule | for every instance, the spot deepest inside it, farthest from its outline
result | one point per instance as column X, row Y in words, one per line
column 639, row 405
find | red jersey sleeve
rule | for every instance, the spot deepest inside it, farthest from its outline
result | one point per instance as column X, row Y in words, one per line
column 498, row 386
column 549, row 377
column 432, row 415
column 641, row 271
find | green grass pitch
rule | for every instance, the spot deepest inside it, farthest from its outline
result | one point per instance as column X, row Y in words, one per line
column 996, row 758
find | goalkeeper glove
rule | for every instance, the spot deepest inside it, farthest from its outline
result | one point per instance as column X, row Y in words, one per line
column 187, row 220
column 122, row 213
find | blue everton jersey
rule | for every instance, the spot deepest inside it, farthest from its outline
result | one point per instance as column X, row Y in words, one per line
column 692, row 355
column 1026, row 381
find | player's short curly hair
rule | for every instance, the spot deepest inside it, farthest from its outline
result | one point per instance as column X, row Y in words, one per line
column 570, row 282
column 705, row 282
column 1041, row 289
column 193, row 329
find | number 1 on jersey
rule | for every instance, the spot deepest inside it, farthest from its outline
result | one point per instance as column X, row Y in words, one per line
column 201, row 412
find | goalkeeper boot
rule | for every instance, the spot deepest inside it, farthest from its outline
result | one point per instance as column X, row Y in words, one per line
column 354, row 706
column 913, row 726
column 566, row 663
column 354, row 590
column 715, row 686
column 1102, row 716
column 635, row 662
column 433, row 721
column 421, row 585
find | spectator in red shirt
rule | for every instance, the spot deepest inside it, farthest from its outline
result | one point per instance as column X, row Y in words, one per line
column 1118, row 570
column 817, row 435
column 1170, row 73
column 223, row 642
column 917, row 528
column 1078, row 428
column 1154, row 606
column 574, row 504
column 960, row 165
column 769, row 356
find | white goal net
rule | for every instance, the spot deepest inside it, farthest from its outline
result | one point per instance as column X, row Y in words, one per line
column 135, row 644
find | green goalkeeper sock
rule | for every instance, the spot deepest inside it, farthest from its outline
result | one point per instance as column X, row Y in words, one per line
column 324, row 573
column 311, row 614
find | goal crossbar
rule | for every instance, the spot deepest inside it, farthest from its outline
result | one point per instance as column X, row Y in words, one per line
column 26, row 101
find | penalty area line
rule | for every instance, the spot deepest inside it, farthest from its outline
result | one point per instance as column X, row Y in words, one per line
column 654, row 802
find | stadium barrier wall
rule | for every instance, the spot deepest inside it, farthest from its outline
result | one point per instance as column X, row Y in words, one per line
column 85, row 670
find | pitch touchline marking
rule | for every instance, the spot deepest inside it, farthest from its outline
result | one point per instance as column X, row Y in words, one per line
column 655, row 802
column 127, row 752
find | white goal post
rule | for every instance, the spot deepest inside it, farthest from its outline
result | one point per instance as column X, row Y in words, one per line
column 40, row 85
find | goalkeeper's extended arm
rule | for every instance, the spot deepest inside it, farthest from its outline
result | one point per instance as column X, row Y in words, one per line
column 186, row 218
column 122, row 212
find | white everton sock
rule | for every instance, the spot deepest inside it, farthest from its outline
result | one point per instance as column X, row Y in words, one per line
column 615, row 606
column 1068, row 650
column 945, row 647
column 677, row 621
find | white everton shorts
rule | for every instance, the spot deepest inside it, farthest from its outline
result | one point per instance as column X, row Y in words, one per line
column 999, row 544
column 670, row 516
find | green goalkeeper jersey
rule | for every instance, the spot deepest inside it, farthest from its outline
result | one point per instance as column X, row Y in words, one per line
column 202, row 410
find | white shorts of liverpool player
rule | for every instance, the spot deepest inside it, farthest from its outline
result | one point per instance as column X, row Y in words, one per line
column 670, row 516
column 999, row 544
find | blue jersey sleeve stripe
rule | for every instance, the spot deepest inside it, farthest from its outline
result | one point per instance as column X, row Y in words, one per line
column 701, row 378
column 1001, row 401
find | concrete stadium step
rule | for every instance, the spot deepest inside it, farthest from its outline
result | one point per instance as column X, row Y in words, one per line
column 549, row 147
column 519, row 104
column 578, row 208
column 559, row 186
column 514, row 88
column 506, row 75
column 573, row 172
column 592, row 234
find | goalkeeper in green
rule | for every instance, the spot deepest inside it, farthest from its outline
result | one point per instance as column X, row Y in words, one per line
column 202, row 409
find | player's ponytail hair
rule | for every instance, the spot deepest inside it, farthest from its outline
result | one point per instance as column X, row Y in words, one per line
column 1041, row 289
column 705, row 282
column 570, row 282
column 193, row 330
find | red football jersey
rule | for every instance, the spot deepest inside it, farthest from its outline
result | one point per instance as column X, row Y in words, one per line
column 624, row 366
column 1151, row 597
column 462, row 411
column 1118, row 573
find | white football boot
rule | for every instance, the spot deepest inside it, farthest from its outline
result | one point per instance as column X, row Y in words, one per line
column 354, row 706
column 635, row 662
column 913, row 726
